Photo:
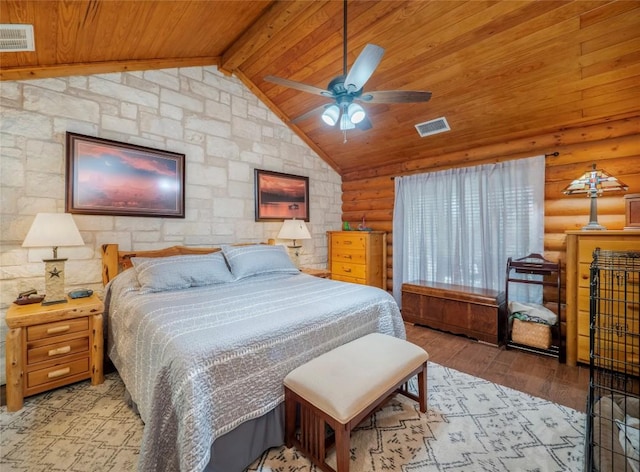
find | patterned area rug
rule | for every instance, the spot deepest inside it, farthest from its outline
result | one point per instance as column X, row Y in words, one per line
column 471, row 425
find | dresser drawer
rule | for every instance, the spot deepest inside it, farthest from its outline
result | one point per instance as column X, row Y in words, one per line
column 58, row 372
column 57, row 350
column 348, row 269
column 356, row 256
column 616, row 354
column 585, row 252
column 584, row 322
column 49, row 330
column 348, row 240
column 353, row 280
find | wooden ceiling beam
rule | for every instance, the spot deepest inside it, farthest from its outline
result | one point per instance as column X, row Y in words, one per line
column 274, row 20
column 89, row 68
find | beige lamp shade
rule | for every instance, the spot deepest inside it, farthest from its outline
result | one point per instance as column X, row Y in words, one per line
column 53, row 230
column 294, row 229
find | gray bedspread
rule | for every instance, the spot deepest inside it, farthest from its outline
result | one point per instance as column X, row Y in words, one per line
column 199, row 362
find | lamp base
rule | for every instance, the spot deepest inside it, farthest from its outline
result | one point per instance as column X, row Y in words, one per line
column 54, row 282
column 593, row 225
column 296, row 254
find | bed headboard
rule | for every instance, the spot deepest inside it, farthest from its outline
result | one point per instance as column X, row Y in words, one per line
column 115, row 261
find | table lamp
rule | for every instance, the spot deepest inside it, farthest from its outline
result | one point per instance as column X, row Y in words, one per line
column 294, row 229
column 593, row 183
column 53, row 230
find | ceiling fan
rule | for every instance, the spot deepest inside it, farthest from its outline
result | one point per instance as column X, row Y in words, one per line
column 347, row 89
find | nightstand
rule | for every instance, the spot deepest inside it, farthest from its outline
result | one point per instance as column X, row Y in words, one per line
column 51, row 346
column 322, row 273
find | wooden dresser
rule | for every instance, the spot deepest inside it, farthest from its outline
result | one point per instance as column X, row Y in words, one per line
column 580, row 247
column 358, row 256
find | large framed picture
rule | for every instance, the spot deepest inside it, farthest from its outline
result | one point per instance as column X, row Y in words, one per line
column 106, row 177
column 281, row 196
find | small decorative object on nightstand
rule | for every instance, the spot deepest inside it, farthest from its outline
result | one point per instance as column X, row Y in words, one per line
column 51, row 346
column 322, row 273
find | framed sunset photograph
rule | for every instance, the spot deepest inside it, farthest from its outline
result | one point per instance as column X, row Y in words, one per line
column 106, row 177
column 280, row 196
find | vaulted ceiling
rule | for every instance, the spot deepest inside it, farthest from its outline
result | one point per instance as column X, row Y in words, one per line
column 498, row 70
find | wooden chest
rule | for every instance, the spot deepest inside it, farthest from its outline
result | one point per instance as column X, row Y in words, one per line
column 475, row 312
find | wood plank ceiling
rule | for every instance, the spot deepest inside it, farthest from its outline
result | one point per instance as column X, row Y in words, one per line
column 498, row 70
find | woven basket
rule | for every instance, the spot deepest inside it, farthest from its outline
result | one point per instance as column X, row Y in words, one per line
column 531, row 334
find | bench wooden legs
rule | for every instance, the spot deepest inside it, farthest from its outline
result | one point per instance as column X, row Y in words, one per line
column 313, row 440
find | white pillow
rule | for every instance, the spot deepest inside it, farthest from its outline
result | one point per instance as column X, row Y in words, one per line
column 255, row 259
column 157, row 274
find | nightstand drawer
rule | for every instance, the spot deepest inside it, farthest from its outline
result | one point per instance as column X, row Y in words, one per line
column 357, row 271
column 58, row 372
column 57, row 328
column 57, row 350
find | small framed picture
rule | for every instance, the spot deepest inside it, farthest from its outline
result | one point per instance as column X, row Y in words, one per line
column 280, row 196
column 106, row 177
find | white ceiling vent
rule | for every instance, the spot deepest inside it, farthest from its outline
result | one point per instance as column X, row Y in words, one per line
column 439, row 125
column 15, row 38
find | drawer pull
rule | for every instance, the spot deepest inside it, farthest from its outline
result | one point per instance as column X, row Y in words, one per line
column 60, row 350
column 347, row 256
column 59, row 373
column 58, row 329
column 346, row 269
column 346, row 243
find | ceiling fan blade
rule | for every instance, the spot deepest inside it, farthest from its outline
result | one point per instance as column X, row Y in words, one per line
column 363, row 67
column 297, row 85
column 395, row 96
column 309, row 114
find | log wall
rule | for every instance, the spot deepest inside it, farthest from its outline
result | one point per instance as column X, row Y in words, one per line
column 614, row 147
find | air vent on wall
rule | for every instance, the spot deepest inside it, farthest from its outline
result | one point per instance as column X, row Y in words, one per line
column 15, row 38
column 439, row 125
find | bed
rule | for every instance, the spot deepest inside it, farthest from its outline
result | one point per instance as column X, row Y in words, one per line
column 203, row 337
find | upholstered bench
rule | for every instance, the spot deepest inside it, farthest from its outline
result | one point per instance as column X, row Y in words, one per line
column 343, row 386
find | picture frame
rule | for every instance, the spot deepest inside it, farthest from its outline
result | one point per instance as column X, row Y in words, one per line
column 105, row 177
column 280, row 197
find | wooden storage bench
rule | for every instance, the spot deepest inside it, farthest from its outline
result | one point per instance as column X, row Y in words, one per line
column 343, row 386
column 475, row 312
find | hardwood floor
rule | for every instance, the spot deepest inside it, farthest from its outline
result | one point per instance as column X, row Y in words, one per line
column 534, row 374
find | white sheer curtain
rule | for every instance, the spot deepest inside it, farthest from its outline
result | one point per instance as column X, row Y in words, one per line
column 460, row 226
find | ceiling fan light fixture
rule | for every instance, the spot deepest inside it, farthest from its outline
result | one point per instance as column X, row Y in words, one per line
column 331, row 114
column 356, row 113
column 345, row 123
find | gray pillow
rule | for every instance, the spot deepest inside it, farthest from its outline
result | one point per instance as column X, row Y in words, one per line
column 245, row 261
column 156, row 274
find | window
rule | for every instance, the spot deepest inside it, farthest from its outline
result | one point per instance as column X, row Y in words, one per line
column 460, row 226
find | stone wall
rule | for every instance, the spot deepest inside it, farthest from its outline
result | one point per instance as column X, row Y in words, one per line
column 222, row 128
